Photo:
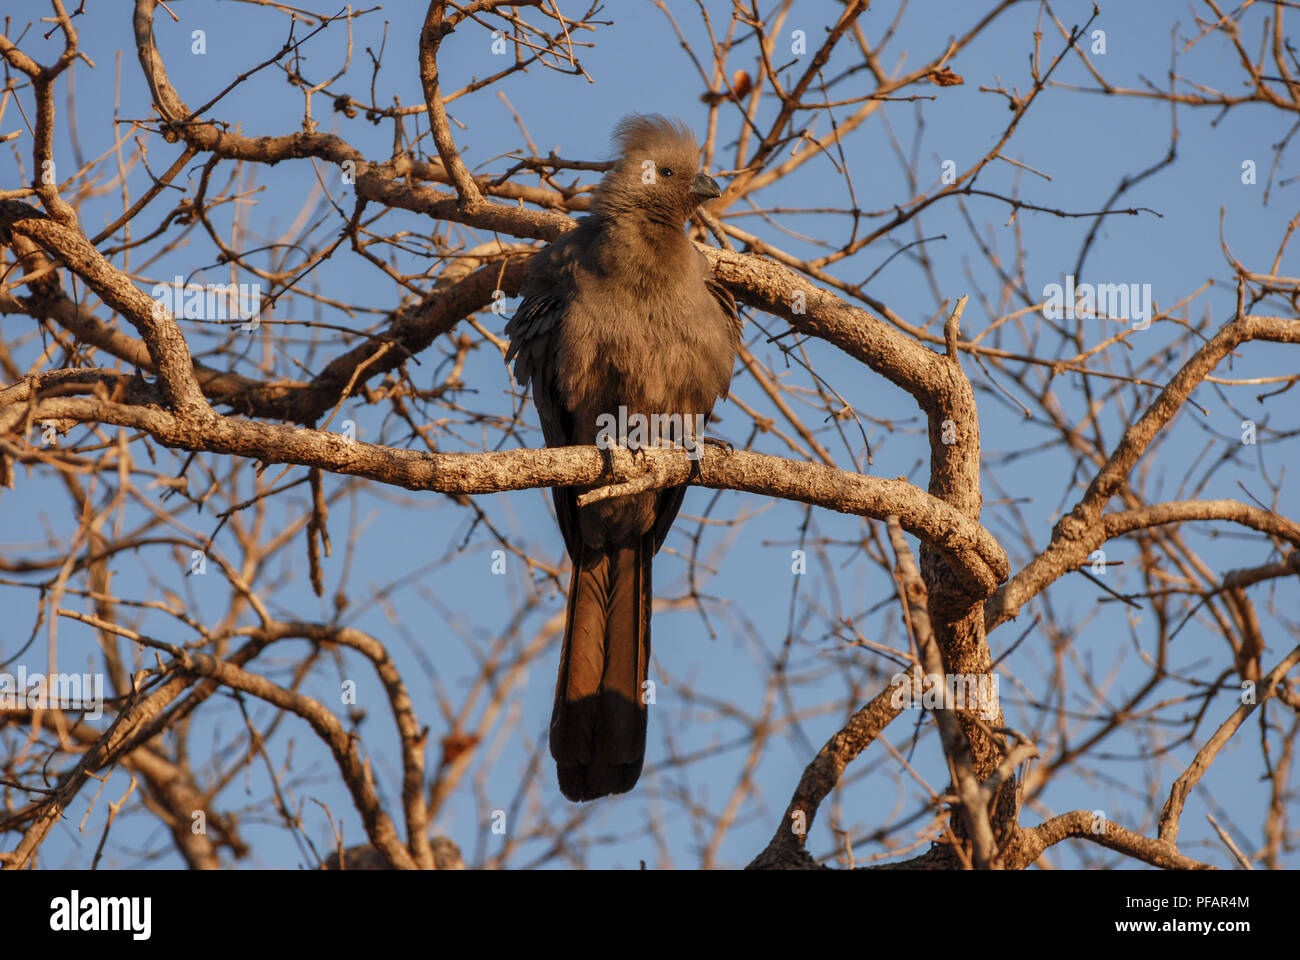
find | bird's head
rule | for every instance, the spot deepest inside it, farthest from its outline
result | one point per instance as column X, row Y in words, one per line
column 656, row 172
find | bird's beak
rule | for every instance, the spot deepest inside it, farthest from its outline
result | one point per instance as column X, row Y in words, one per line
column 705, row 186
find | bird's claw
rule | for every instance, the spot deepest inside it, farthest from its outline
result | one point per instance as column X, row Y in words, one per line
column 607, row 456
column 637, row 449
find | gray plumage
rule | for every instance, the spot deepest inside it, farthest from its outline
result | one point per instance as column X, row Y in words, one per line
column 621, row 311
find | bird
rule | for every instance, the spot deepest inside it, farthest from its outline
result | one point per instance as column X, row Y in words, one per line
column 621, row 314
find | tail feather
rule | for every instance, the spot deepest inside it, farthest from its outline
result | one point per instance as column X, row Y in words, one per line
column 598, row 725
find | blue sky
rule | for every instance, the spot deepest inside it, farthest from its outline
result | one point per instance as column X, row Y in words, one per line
column 1085, row 142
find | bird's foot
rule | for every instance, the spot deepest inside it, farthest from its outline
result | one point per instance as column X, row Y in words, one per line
column 638, row 451
column 634, row 447
column 607, row 458
column 695, row 447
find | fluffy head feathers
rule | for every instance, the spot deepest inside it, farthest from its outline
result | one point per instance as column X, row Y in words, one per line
column 654, row 135
column 654, row 172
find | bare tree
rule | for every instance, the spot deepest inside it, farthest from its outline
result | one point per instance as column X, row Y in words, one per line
column 193, row 397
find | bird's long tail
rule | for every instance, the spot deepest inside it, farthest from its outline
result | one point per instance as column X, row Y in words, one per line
column 598, row 725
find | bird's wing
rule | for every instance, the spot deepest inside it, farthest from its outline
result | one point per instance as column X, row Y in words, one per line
column 534, row 339
column 727, row 302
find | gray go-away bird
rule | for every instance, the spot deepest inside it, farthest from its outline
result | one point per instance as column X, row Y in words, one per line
column 621, row 312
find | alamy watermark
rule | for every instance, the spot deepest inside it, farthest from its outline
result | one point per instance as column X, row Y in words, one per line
column 640, row 430
column 1117, row 301
column 58, row 691
column 209, row 301
column 76, row 913
column 952, row 691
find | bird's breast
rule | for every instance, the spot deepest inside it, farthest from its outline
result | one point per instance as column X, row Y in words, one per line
column 659, row 352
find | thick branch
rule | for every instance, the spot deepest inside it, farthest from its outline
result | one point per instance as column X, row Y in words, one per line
column 969, row 547
column 430, row 39
column 1085, row 825
column 159, row 330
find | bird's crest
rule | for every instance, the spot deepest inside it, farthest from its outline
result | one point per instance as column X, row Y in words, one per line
column 653, row 135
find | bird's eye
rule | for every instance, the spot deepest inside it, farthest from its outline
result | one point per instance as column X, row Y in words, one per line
column 665, row 171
